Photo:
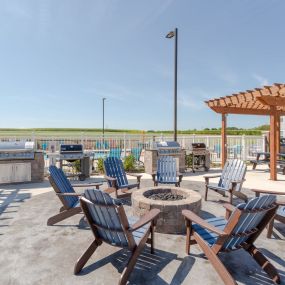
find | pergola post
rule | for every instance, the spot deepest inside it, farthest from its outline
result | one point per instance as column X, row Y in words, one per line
column 273, row 143
column 224, row 139
column 278, row 134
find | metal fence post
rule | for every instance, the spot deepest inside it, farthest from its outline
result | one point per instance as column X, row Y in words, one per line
column 243, row 148
column 263, row 143
column 125, row 153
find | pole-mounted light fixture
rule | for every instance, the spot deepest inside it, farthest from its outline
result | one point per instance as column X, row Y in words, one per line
column 170, row 35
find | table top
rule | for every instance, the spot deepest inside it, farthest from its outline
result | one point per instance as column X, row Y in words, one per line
column 273, row 192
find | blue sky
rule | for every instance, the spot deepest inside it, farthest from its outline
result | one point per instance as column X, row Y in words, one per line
column 59, row 58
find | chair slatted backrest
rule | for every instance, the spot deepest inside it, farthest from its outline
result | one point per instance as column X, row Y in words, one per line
column 252, row 215
column 166, row 169
column 136, row 152
column 63, row 185
column 114, row 168
column 115, row 152
column 105, row 217
column 234, row 170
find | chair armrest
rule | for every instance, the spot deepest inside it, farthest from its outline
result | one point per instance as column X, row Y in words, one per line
column 189, row 215
column 229, row 209
column 69, row 194
column 87, row 184
column 138, row 176
column 207, row 177
column 238, row 181
column 280, row 203
column 212, row 176
column 135, row 175
column 110, row 178
column 147, row 218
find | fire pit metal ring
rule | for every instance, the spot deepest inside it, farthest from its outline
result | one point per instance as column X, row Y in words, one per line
column 170, row 220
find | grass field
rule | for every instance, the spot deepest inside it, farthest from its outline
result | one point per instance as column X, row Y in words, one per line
column 65, row 132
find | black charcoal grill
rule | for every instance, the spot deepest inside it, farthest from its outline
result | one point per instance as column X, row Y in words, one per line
column 71, row 152
column 200, row 156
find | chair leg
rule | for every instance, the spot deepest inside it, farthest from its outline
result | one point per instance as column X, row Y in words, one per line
column 152, row 239
column 215, row 261
column 206, row 193
column 85, row 256
column 231, row 197
column 270, row 228
column 188, row 236
column 63, row 215
column 264, row 264
column 133, row 259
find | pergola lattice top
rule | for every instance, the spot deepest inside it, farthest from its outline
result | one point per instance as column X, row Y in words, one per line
column 260, row 101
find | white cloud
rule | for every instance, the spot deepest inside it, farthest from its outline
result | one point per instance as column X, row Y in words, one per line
column 260, row 79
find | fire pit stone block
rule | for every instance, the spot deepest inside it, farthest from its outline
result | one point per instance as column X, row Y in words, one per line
column 170, row 220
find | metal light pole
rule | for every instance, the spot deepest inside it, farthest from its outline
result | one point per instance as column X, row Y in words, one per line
column 169, row 36
column 103, row 100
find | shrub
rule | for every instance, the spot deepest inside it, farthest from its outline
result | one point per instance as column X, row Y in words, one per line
column 188, row 160
column 129, row 163
column 100, row 165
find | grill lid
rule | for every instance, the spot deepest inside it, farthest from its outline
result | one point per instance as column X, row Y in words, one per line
column 168, row 144
column 71, row 148
column 17, row 146
column 198, row 146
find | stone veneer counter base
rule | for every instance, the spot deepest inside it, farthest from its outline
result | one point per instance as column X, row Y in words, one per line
column 170, row 220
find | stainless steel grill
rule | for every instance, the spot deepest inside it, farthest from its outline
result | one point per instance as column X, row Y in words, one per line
column 20, row 162
column 17, row 150
column 170, row 148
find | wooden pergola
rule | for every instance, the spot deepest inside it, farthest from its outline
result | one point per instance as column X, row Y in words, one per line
column 266, row 101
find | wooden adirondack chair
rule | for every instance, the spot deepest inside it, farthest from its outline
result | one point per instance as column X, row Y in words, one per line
column 279, row 216
column 240, row 229
column 65, row 192
column 167, row 172
column 116, row 175
column 231, row 180
column 109, row 223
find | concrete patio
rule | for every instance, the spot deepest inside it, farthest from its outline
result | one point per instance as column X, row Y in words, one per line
column 33, row 253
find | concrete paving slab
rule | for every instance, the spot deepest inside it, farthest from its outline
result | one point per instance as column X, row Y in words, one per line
column 33, row 253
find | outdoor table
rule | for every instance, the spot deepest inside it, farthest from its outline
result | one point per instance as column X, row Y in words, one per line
column 273, row 192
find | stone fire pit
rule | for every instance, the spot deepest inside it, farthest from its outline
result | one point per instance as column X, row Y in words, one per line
column 170, row 220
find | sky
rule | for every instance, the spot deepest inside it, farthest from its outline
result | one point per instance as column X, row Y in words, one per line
column 58, row 59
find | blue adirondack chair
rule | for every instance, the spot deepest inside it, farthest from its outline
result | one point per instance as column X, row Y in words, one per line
column 231, row 180
column 65, row 192
column 239, row 230
column 116, row 176
column 167, row 172
column 110, row 224
column 115, row 152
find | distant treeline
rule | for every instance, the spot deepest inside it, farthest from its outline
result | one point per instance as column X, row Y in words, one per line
column 206, row 131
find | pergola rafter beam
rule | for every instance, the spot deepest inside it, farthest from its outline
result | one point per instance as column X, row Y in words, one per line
column 266, row 101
